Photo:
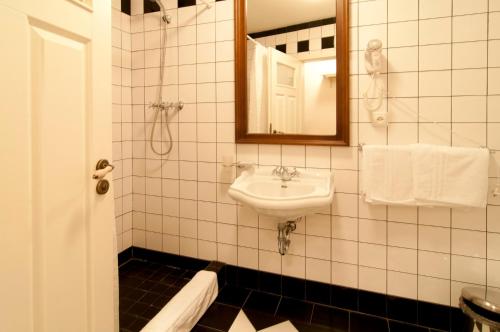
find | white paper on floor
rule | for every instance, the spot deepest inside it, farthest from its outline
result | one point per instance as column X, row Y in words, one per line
column 243, row 324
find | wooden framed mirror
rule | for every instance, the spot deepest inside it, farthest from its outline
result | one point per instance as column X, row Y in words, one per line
column 292, row 71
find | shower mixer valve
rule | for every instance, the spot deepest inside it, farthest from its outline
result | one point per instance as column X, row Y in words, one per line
column 163, row 106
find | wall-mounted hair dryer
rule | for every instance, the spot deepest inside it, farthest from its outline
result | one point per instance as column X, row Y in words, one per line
column 373, row 57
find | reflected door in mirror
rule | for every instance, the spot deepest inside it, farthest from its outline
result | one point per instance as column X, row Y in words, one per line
column 291, row 67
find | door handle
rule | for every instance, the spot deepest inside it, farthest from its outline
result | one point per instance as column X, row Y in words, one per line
column 102, row 168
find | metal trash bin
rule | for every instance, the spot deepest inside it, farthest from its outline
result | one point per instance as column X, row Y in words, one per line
column 482, row 306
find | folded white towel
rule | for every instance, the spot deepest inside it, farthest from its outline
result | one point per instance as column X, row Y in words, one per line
column 185, row 309
column 387, row 174
column 425, row 175
column 450, row 176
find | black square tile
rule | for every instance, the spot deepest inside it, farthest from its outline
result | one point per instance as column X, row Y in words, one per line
column 231, row 275
column 126, row 254
column 185, row 3
column 403, row 327
column 344, row 297
column 126, row 7
column 263, row 302
column 331, row 317
column 219, row 316
column 138, row 324
column 181, row 282
column 150, row 6
column 126, row 304
column 327, row 42
column 161, row 301
column 129, row 281
column 231, row 295
column 171, row 291
column 293, row 287
column 303, row 46
column 460, row 322
column 270, row 283
column 162, row 289
column 372, row 303
column 281, row 48
column 150, row 312
column 248, row 278
column 364, row 323
column 317, row 292
column 135, row 294
column 147, row 285
column 434, row 315
column 126, row 320
column 138, row 309
column 401, row 309
column 295, row 310
column 150, row 298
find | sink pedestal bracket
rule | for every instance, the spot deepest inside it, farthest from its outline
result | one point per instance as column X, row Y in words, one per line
column 284, row 231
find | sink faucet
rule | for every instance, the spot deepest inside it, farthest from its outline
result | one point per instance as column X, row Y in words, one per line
column 284, row 173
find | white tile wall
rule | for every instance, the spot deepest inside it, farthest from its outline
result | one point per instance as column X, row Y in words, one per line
column 123, row 126
column 442, row 64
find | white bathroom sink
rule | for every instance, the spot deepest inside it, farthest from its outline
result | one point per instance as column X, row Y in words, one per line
column 267, row 194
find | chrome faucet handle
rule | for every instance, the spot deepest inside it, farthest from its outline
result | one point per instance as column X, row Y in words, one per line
column 278, row 170
column 295, row 172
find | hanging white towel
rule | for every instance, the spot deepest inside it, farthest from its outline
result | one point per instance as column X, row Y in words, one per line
column 450, row 176
column 387, row 174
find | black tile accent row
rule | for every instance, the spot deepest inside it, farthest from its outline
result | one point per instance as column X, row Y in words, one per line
column 408, row 311
column 296, row 27
column 303, row 46
column 281, row 48
column 150, row 6
column 126, row 7
column 327, row 42
column 170, row 259
column 185, row 3
column 124, row 256
column 183, row 262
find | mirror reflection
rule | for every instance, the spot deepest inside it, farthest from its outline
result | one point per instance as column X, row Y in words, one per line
column 291, row 67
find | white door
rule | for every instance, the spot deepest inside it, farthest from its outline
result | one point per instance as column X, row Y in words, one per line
column 285, row 95
column 56, row 233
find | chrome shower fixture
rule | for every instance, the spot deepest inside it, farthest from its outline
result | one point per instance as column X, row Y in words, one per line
column 163, row 106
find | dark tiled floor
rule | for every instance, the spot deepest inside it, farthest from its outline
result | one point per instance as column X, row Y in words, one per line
column 145, row 288
column 264, row 310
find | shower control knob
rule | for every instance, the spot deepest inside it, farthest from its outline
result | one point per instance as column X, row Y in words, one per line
column 102, row 187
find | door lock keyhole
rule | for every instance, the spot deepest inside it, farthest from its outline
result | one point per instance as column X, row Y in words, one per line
column 102, row 186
